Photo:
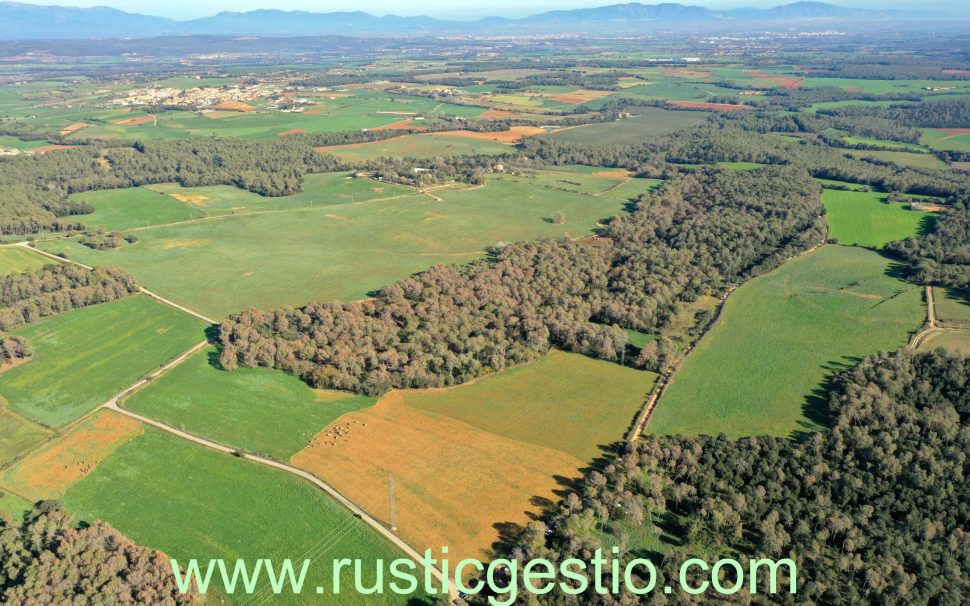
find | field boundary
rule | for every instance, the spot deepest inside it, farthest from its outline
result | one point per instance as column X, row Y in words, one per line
column 141, row 289
column 646, row 413
column 352, row 507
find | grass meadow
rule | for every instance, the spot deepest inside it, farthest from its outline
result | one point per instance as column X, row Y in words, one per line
column 952, row 307
column 762, row 368
column 865, row 219
column 904, row 158
column 950, row 340
column 134, row 207
column 17, row 435
column 417, row 146
column 650, row 122
column 341, row 251
column 166, row 203
column 260, row 410
column 191, row 502
column 14, row 260
column 565, row 401
column 938, row 139
column 85, row 356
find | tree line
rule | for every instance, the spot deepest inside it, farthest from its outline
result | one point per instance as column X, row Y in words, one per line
column 37, row 189
column 28, row 297
column 700, row 234
column 873, row 511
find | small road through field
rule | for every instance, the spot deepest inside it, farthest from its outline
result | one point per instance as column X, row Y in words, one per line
column 932, row 324
column 387, row 533
column 114, row 404
column 665, row 380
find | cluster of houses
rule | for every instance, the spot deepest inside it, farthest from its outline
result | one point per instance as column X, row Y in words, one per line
column 197, row 97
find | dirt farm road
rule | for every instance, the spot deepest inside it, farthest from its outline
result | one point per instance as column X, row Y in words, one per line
column 114, row 404
column 386, row 532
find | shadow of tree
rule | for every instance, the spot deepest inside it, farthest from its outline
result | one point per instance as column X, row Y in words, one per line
column 816, row 407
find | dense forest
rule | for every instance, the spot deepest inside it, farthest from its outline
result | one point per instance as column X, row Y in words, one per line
column 941, row 256
column 28, row 297
column 700, row 234
column 874, row 511
column 48, row 558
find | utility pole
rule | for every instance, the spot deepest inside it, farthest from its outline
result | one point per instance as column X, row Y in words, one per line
column 393, row 511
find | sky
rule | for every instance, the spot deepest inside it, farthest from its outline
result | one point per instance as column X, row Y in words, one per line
column 449, row 9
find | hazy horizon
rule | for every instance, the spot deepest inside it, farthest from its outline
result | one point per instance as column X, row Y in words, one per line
column 186, row 9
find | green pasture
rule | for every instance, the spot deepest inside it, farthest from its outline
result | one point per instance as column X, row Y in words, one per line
column 885, row 143
column 763, row 367
column 903, row 158
column 85, row 356
column 591, row 183
column 650, row 122
column 741, row 165
column 866, row 219
column 419, row 146
column 15, row 260
column 155, row 205
column 633, row 189
column 951, row 340
column 564, row 401
column 939, row 140
column 133, row 207
column 261, row 410
column 17, row 434
column 952, row 307
column 190, row 502
column 341, row 251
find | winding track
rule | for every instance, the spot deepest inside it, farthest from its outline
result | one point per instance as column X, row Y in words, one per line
column 114, row 404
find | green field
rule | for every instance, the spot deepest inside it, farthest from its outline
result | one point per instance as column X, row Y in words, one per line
column 565, row 401
column 762, row 368
column 15, row 143
column 85, row 356
column 633, row 189
column 841, row 184
column 650, row 122
column 261, row 410
column 11, row 506
column 936, row 139
column 339, row 252
column 365, row 109
column 849, row 103
column 904, row 158
column 17, row 435
column 952, row 307
column 950, row 340
column 419, row 146
column 155, row 205
column 592, row 183
column 15, row 260
column 134, row 207
column 191, row 502
column 885, row 143
column 864, row 219
column 741, row 165
column 882, row 87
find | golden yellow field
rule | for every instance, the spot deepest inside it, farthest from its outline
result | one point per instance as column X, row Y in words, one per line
column 453, row 482
column 468, row 459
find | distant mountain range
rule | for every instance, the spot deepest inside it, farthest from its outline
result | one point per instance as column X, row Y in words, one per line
column 20, row 21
